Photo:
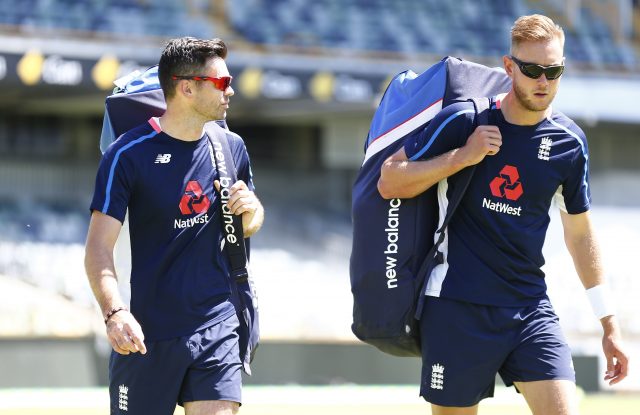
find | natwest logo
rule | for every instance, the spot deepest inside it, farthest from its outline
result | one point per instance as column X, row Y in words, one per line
column 194, row 200
column 507, row 184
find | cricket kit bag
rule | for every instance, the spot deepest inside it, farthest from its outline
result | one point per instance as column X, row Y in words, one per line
column 393, row 247
column 138, row 97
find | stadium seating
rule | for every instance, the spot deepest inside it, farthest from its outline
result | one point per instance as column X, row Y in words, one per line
column 117, row 17
column 42, row 244
column 467, row 28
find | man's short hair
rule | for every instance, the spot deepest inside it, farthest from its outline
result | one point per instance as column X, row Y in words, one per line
column 186, row 56
column 535, row 28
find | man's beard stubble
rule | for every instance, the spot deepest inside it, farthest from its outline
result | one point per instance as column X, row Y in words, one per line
column 528, row 104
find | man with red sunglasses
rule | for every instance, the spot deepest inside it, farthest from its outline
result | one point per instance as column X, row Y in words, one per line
column 178, row 342
column 486, row 309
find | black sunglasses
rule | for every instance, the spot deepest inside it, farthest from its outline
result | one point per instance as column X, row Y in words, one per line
column 535, row 71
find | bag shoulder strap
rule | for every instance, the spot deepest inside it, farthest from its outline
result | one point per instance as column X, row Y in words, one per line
column 482, row 108
column 234, row 243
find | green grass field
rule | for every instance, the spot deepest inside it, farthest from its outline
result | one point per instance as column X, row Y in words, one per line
column 300, row 400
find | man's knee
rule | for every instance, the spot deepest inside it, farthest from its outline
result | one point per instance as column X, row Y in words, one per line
column 550, row 397
column 451, row 410
column 211, row 408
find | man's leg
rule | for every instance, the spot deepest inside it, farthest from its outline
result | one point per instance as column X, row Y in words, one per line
column 211, row 408
column 550, row 397
column 462, row 350
column 213, row 383
column 541, row 366
column 450, row 410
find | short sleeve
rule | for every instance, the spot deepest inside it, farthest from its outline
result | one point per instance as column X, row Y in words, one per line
column 113, row 184
column 449, row 129
column 576, row 190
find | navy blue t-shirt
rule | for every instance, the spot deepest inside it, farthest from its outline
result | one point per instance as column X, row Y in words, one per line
column 179, row 275
column 493, row 246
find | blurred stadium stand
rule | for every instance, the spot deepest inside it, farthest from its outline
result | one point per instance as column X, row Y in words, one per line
column 138, row 18
column 307, row 76
column 468, row 27
column 598, row 32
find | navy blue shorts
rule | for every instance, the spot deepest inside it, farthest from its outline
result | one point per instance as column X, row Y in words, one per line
column 465, row 345
column 202, row 366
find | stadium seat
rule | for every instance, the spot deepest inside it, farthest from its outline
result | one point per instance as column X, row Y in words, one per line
column 473, row 28
column 373, row 26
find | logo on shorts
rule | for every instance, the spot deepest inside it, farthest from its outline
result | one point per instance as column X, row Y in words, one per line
column 437, row 376
column 123, row 398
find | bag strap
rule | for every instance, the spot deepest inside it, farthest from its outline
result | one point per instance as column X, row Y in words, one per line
column 222, row 160
column 482, row 107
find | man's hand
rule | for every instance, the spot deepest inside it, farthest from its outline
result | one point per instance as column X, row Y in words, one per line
column 125, row 334
column 617, row 359
column 485, row 140
column 243, row 201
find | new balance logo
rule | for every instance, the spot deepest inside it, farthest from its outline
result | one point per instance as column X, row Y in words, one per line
column 123, row 398
column 392, row 230
column 437, row 376
column 163, row 158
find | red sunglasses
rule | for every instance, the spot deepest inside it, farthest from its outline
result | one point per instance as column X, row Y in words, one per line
column 221, row 83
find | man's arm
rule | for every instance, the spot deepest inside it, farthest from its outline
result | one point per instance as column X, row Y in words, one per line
column 403, row 178
column 583, row 247
column 123, row 331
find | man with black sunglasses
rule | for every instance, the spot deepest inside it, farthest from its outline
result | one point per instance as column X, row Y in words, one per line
column 178, row 343
column 486, row 309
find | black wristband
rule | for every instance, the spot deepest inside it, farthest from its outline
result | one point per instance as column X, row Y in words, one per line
column 112, row 312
